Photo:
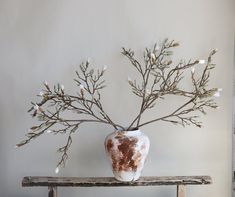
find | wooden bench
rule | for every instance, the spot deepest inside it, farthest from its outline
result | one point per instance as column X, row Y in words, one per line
column 53, row 182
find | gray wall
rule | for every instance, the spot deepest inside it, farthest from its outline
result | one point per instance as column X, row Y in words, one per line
column 47, row 40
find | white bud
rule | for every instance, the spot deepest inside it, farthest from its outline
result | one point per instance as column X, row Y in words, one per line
column 49, row 131
column 57, row 170
column 153, row 56
column 220, row 89
column 89, row 60
column 36, row 107
column 193, row 70
column 202, row 61
column 16, row 146
column 45, row 82
column 81, row 87
column 180, row 65
column 105, row 68
column 62, row 87
column 217, row 94
column 148, row 91
column 129, row 79
column 157, row 47
column 41, row 93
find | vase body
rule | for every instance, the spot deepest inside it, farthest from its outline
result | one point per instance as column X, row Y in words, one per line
column 127, row 151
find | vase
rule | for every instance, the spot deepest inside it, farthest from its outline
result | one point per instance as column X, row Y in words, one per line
column 127, row 152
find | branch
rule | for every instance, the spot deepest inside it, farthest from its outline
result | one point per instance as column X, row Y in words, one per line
column 160, row 79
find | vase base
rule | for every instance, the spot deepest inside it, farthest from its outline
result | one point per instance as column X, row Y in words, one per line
column 127, row 176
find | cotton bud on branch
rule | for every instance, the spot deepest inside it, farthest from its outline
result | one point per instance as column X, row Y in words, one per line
column 129, row 80
column 157, row 47
column 217, row 93
column 167, row 62
column 148, row 91
column 45, row 83
column 82, row 89
column 105, row 68
column 62, row 87
column 202, row 61
column 57, row 170
column 193, row 70
column 41, row 94
column 152, row 58
column 36, row 107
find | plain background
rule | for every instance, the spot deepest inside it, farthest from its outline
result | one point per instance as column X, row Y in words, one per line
column 46, row 40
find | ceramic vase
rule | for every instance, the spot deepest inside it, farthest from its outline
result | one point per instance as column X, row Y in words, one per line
column 127, row 152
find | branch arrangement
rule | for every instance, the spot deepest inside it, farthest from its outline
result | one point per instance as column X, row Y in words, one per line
column 158, row 78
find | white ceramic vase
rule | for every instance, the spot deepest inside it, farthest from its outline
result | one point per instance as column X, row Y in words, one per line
column 127, row 151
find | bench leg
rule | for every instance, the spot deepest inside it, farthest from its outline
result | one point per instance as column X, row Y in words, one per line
column 52, row 192
column 181, row 191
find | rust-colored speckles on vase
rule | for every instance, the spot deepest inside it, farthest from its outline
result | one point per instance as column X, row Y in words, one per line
column 127, row 151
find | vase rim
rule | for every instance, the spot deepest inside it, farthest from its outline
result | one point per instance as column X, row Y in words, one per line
column 131, row 130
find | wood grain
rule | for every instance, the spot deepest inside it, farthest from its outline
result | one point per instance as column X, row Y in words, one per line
column 30, row 181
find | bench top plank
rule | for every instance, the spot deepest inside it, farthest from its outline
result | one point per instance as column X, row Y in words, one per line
column 30, row 181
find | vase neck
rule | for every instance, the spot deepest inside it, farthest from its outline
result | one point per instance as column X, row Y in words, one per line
column 131, row 133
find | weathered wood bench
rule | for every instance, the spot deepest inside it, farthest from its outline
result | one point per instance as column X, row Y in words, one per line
column 53, row 182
